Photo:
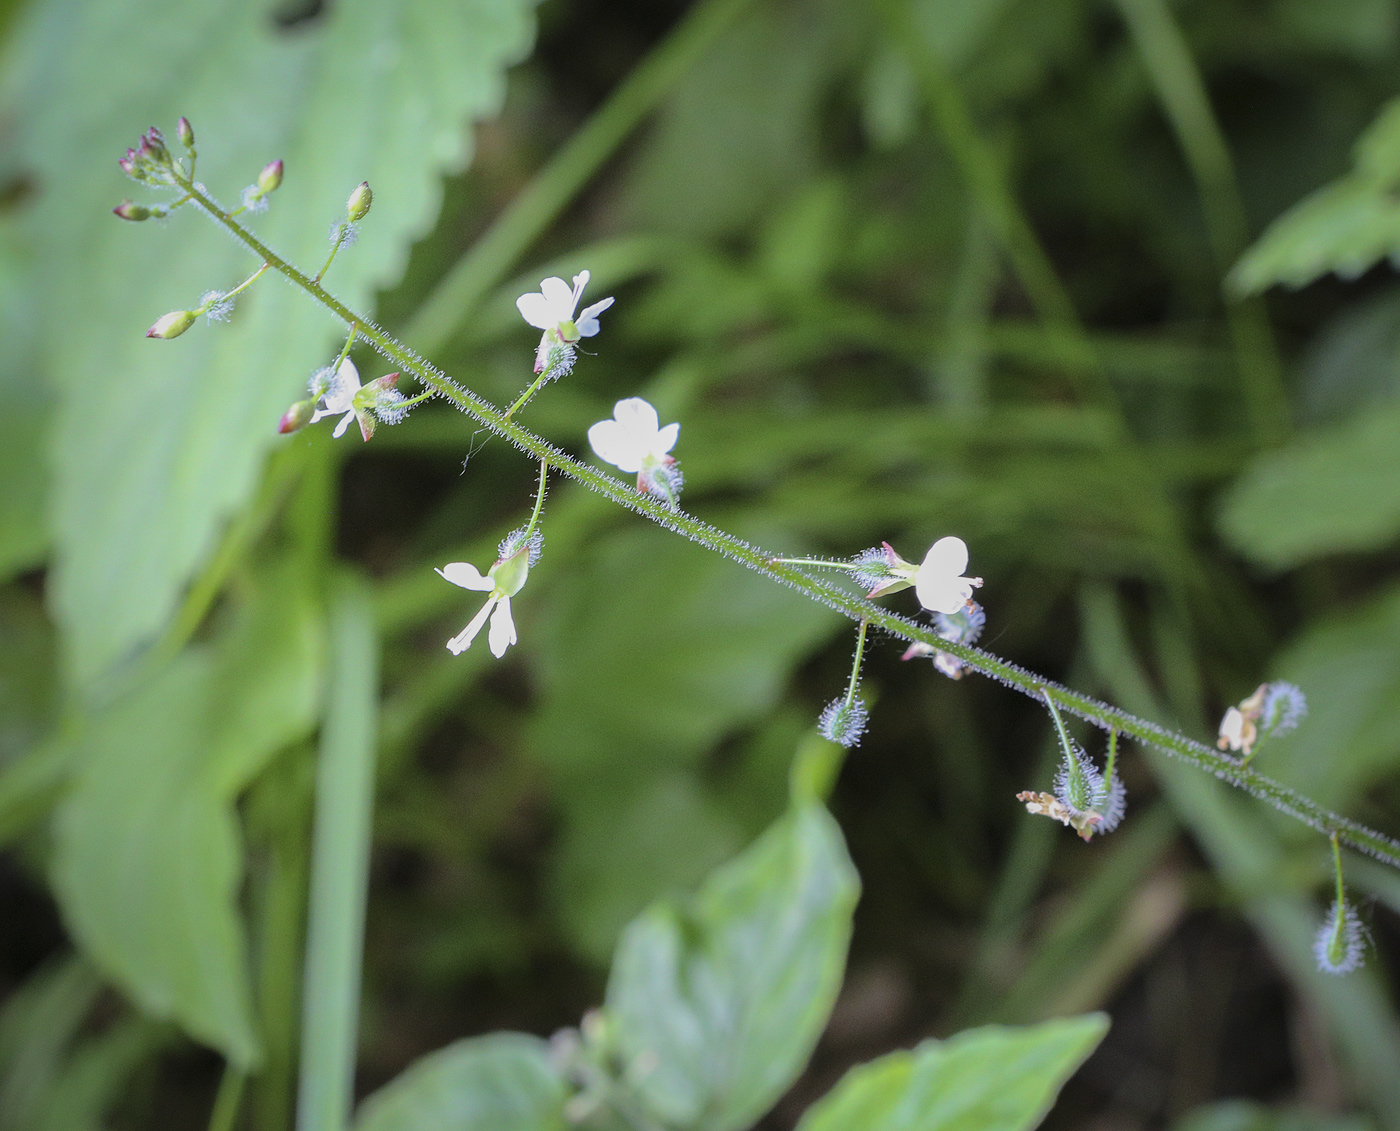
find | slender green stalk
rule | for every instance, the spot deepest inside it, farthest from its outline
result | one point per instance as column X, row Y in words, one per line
column 341, row 231
column 545, row 197
column 539, row 498
column 1000, row 209
column 1182, row 93
column 1112, row 765
column 227, row 1101
column 339, row 867
column 857, row 608
column 854, row 685
column 539, row 382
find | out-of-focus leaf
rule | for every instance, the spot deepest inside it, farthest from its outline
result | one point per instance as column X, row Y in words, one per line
column 727, row 993
column 990, row 1079
column 24, row 421
column 167, row 438
column 503, row 1082
column 37, row 1026
column 1328, row 492
column 710, row 150
column 1362, row 29
column 1354, row 363
column 1349, row 668
column 1246, row 1115
column 692, row 648
column 148, row 853
column 28, row 673
column 1346, row 226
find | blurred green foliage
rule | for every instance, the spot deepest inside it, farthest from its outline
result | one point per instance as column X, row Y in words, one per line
column 852, row 308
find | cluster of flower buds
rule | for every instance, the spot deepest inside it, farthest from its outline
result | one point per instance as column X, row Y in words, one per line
column 1273, row 709
column 338, row 392
column 150, row 162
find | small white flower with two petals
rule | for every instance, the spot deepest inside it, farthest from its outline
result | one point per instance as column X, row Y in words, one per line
column 551, row 309
column 339, row 397
column 938, row 582
column 634, row 442
column 501, row 582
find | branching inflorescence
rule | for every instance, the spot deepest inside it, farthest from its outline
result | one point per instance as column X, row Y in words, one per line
column 1090, row 800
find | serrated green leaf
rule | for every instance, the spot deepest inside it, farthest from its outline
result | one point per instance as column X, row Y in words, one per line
column 725, row 995
column 503, row 1082
column 148, row 853
column 990, row 1079
column 167, row 437
column 1334, row 491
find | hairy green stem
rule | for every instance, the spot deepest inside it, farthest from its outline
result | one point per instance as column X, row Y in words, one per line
column 855, row 665
column 1108, row 718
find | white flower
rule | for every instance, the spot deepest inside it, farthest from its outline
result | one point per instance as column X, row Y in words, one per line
column 938, row 582
column 339, row 397
column 551, row 309
column 502, row 582
column 1239, row 729
column 633, row 442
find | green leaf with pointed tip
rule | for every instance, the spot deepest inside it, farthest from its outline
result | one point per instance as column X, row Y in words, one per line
column 1328, row 492
column 167, row 437
column 1346, row 226
column 990, row 1079
column 503, row 1082
column 148, row 853
column 723, row 997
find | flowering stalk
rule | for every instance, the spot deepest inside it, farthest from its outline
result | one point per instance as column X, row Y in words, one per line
column 843, row 721
column 1109, row 718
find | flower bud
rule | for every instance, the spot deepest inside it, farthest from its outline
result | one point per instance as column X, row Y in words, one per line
column 297, row 417
column 130, row 210
column 270, row 177
column 186, row 132
column 357, row 207
column 172, row 325
column 128, row 163
column 153, row 147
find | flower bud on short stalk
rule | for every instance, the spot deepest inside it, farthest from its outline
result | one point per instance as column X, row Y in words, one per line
column 153, row 147
column 270, row 177
column 357, row 207
column 297, row 417
column 130, row 210
column 185, row 132
column 172, row 325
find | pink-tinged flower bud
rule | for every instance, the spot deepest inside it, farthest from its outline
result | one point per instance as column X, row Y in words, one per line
column 128, row 163
column 153, row 147
column 357, row 207
column 186, row 132
column 297, row 417
column 270, row 177
column 130, row 210
column 172, row 325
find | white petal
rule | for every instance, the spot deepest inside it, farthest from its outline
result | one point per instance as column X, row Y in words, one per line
column 343, row 387
column 639, row 418
column 463, row 640
column 615, row 445
column 502, row 629
column 587, row 321
column 580, row 281
column 942, row 594
column 946, row 556
column 467, row 576
column 561, row 300
column 342, row 426
column 666, row 440
column 318, row 414
column 1232, row 728
column 535, row 309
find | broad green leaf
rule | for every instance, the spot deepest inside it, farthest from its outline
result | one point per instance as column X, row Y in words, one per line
column 990, row 1079
column 168, row 437
column 1353, row 365
column 725, row 995
column 692, row 649
column 23, row 424
column 148, row 854
column 1349, row 668
column 503, row 1082
column 1328, row 492
column 1246, row 1115
column 1346, row 226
